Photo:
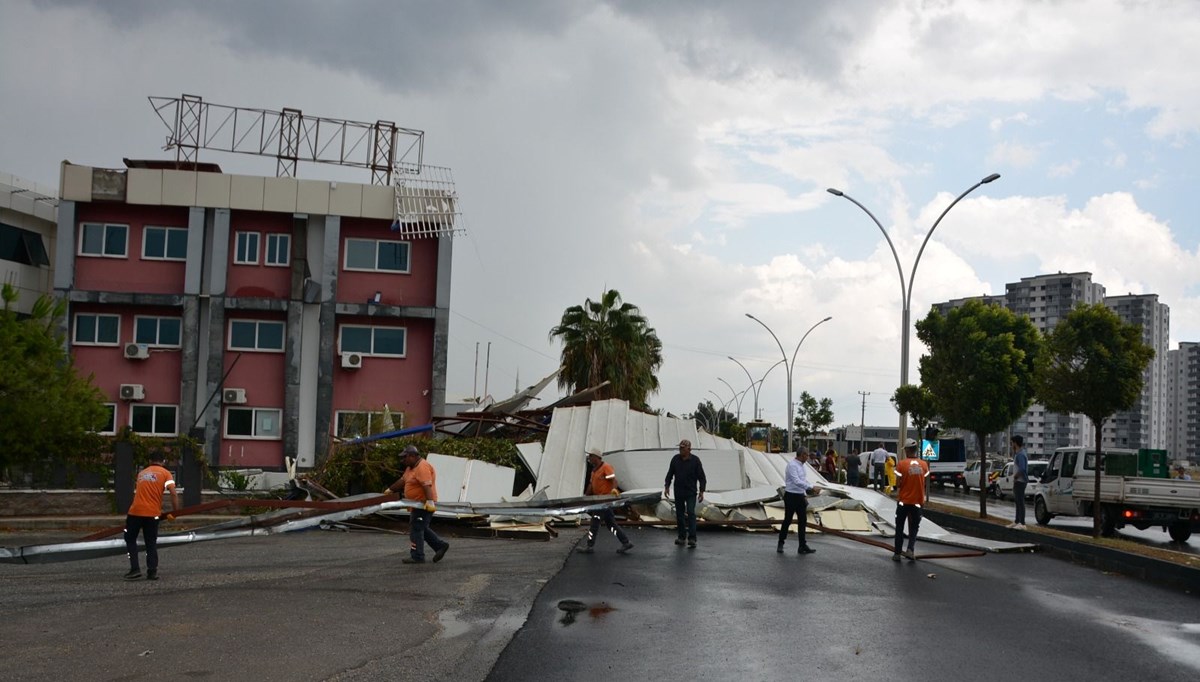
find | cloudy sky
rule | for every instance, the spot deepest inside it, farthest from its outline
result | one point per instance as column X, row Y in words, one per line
column 680, row 152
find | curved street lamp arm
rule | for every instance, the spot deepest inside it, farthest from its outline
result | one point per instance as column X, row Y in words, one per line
column 899, row 269
column 913, row 274
column 739, row 364
column 777, row 343
column 797, row 351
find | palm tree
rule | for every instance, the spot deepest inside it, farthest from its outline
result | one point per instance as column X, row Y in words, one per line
column 609, row 340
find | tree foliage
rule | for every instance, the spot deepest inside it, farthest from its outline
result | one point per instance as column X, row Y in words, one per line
column 812, row 416
column 49, row 414
column 980, row 368
column 1093, row 364
column 918, row 403
column 715, row 420
column 370, row 467
column 609, row 340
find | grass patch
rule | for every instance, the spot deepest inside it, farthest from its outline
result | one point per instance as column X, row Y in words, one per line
column 1120, row 544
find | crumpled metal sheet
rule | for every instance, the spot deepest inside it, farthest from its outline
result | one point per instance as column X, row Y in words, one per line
column 75, row 551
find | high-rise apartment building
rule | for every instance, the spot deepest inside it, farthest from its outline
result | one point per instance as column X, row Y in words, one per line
column 1047, row 299
column 1182, row 381
column 1146, row 423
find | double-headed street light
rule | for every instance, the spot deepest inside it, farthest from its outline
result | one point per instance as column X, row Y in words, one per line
column 720, row 408
column 789, row 366
column 755, row 386
column 736, row 396
column 906, row 291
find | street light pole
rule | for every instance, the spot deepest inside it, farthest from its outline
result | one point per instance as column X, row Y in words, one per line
column 790, row 417
column 720, row 409
column 756, row 386
column 735, row 397
column 906, row 291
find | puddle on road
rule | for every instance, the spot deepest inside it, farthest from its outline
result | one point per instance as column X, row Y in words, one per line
column 451, row 625
column 572, row 607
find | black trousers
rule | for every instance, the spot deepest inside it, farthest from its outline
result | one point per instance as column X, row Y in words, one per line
column 912, row 514
column 610, row 521
column 794, row 504
column 148, row 527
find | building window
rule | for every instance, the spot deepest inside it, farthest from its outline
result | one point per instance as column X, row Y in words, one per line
column 279, row 250
column 108, row 426
column 387, row 341
column 253, row 422
column 255, row 335
column 246, row 248
column 153, row 420
column 103, row 239
column 97, row 330
column 157, row 331
column 376, row 255
column 164, row 243
column 352, row 424
column 22, row 246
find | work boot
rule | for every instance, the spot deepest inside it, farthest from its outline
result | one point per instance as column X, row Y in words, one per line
column 410, row 560
column 779, row 548
column 692, row 543
column 679, row 541
column 437, row 556
column 805, row 549
column 152, row 574
column 625, row 548
column 910, row 555
column 896, row 556
column 133, row 574
column 587, row 549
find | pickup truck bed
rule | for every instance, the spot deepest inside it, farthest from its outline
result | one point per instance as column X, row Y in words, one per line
column 1157, row 492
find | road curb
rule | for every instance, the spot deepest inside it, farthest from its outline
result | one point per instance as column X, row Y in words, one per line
column 1157, row 571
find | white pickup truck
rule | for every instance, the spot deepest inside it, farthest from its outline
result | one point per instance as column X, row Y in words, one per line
column 1068, row 487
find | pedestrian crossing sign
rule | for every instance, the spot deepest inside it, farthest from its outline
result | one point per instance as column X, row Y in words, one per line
column 930, row 450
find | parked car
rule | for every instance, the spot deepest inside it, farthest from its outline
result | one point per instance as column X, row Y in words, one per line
column 972, row 473
column 1036, row 469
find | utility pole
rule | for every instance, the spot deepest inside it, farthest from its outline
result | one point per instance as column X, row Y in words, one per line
column 862, row 421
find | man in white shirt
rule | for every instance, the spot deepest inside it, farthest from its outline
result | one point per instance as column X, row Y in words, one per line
column 878, row 459
column 795, row 488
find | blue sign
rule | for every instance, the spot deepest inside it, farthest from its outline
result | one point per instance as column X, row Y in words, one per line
column 929, row 450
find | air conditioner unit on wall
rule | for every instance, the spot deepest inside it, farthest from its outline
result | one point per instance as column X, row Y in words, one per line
column 133, row 392
column 352, row 360
column 136, row 351
column 233, row 396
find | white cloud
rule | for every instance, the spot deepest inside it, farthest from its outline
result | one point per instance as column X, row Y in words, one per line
column 1063, row 170
column 1012, row 154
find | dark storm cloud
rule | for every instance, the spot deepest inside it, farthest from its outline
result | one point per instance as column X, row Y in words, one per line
column 407, row 45
column 729, row 41
column 402, row 45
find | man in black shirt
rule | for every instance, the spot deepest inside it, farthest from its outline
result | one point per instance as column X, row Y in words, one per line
column 688, row 473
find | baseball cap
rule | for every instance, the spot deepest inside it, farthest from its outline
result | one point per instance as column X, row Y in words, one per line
column 910, row 443
column 594, row 451
column 411, row 450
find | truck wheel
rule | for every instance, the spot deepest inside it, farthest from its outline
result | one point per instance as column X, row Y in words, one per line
column 1040, row 512
column 1108, row 521
column 1180, row 531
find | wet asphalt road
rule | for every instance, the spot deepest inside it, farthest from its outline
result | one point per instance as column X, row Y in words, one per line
column 733, row 609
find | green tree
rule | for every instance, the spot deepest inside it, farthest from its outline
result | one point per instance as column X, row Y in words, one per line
column 609, row 340
column 918, row 403
column 48, row 413
column 980, row 368
column 812, row 416
column 1093, row 364
column 715, row 420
